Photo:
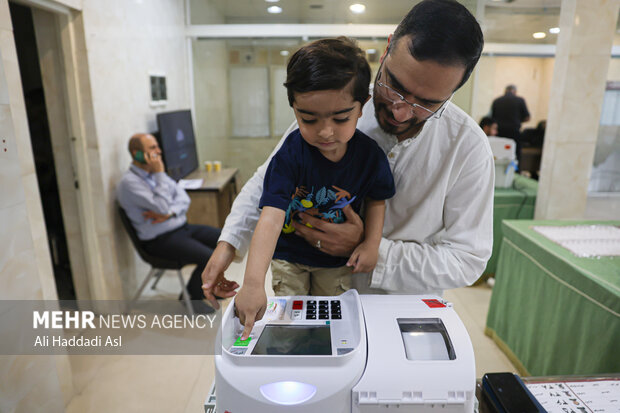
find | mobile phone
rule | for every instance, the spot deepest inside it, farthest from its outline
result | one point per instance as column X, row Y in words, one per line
column 139, row 156
column 506, row 393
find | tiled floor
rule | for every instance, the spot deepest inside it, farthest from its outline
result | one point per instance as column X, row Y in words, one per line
column 181, row 383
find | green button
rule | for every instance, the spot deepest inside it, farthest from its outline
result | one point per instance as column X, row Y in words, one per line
column 242, row 343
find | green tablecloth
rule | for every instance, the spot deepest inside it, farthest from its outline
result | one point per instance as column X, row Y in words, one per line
column 552, row 312
column 517, row 202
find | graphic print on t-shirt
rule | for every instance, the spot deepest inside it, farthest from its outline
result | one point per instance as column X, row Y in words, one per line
column 326, row 204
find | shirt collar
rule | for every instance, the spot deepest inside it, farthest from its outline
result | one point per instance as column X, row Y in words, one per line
column 139, row 171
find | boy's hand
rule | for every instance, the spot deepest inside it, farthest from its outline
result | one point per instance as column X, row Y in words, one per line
column 250, row 305
column 364, row 258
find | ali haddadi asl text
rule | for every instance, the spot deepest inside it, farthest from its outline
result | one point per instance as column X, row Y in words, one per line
column 75, row 341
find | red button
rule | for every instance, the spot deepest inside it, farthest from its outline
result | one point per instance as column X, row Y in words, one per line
column 434, row 303
column 298, row 305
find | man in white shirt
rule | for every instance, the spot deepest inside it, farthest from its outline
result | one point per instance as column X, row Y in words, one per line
column 438, row 230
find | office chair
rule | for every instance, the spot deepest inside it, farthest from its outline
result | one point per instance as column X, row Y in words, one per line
column 158, row 265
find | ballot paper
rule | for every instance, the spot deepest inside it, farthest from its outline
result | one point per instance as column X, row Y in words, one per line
column 587, row 396
column 585, row 240
column 190, row 183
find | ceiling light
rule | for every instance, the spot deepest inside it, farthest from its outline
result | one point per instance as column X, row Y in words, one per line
column 272, row 1
column 554, row 30
column 371, row 51
column 357, row 8
column 274, row 9
column 539, row 35
column 284, row 53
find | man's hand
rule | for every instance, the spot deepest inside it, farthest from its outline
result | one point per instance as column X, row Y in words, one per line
column 156, row 217
column 154, row 162
column 338, row 240
column 250, row 305
column 213, row 280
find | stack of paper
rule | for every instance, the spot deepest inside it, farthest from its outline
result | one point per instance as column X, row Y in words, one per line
column 190, row 183
column 599, row 396
column 585, row 240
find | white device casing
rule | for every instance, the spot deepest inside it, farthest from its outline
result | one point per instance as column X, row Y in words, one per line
column 504, row 156
column 239, row 377
column 392, row 382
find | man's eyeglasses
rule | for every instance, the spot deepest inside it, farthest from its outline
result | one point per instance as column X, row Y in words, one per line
column 399, row 102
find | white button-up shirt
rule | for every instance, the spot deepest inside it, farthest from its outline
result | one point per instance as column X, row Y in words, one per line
column 438, row 229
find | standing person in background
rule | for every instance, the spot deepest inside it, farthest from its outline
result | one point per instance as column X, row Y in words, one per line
column 438, row 229
column 510, row 111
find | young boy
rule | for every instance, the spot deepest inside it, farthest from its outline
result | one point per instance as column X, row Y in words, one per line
column 323, row 167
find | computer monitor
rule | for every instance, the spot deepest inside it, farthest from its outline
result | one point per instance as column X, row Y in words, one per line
column 177, row 142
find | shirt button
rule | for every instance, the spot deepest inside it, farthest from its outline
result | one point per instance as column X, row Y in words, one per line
column 391, row 155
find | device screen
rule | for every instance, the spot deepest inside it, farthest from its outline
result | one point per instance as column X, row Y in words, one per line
column 295, row 340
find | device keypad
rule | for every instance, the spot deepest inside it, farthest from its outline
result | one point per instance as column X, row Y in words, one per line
column 323, row 311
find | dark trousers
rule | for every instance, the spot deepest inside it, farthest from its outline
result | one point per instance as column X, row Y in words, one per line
column 189, row 244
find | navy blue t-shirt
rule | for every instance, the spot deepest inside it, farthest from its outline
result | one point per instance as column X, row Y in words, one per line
column 300, row 179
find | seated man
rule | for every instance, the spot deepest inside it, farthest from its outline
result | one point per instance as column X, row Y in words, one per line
column 156, row 206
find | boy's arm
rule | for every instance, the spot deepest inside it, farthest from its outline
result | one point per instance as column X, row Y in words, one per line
column 238, row 228
column 364, row 257
column 251, row 301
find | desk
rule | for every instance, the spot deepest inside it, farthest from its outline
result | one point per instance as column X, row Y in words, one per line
column 551, row 312
column 517, row 202
column 211, row 203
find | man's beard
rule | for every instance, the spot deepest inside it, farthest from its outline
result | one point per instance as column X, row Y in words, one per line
column 399, row 130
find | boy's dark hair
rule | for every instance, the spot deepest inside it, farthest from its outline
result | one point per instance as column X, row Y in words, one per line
column 487, row 121
column 443, row 31
column 328, row 64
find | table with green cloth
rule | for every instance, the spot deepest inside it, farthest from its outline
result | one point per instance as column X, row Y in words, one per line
column 516, row 202
column 552, row 312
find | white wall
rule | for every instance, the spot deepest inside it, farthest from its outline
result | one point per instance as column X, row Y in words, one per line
column 211, row 117
column 27, row 383
column 125, row 41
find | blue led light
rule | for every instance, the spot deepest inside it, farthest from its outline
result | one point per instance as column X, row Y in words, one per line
column 288, row 392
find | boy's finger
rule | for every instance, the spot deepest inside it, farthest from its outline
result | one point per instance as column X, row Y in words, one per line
column 247, row 328
column 352, row 260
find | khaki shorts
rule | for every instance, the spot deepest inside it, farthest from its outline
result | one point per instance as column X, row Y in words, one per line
column 300, row 279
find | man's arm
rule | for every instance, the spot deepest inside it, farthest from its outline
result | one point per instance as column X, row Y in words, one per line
column 180, row 202
column 459, row 255
column 135, row 192
column 525, row 114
